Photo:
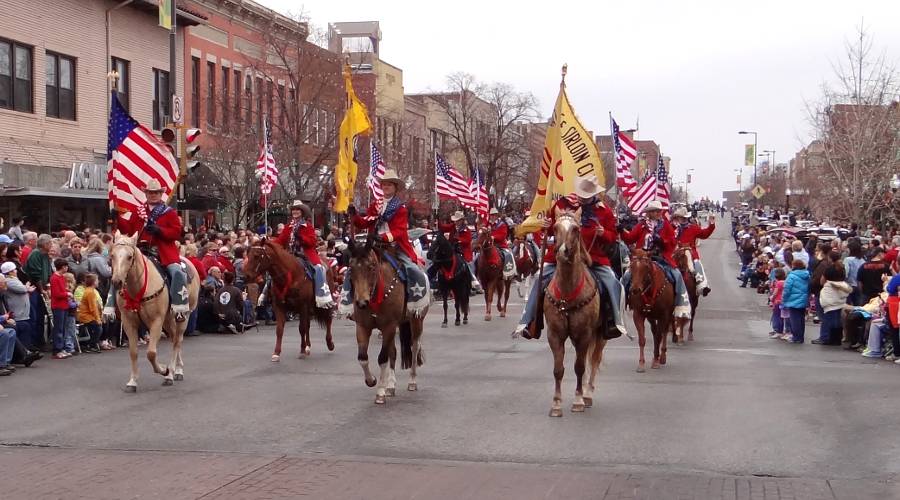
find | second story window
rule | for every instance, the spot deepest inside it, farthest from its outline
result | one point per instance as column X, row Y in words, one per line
column 60, row 85
column 226, row 98
column 195, row 91
column 121, row 67
column 238, row 82
column 16, row 89
column 210, row 93
column 160, row 98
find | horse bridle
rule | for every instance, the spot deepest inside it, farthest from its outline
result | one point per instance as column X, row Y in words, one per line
column 379, row 283
column 646, row 292
column 140, row 297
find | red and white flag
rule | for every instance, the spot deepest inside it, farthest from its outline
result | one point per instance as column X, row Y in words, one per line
column 626, row 152
column 134, row 156
column 376, row 172
column 266, row 171
column 449, row 183
column 479, row 193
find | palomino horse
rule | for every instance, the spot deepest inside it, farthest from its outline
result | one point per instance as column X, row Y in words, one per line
column 684, row 260
column 379, row 302
column 489, row 266
column 452, row 276
column 651, row 297
column 291, row 291
column 572, row 311
column 526, row 265
column 143, row 298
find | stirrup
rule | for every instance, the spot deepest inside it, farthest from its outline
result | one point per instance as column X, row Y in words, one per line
column 180, row 317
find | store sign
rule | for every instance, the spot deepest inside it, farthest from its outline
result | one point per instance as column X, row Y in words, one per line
column 87, row 176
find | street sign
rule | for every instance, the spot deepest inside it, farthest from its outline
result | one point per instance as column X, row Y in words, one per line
column 758, row 191
column 177, row 110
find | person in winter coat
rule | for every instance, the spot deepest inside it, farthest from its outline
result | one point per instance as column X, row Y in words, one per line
column 832, row 298
column 98, row 264
column 795, row 299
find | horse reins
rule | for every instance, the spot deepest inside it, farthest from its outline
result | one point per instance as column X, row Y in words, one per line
column 564, row 302
column 133, row 303
column 648, row 299
column 378, row 292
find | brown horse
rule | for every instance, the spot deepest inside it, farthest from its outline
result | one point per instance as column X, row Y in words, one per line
column 379, row 302
column 526, row 264
column 291, row 291
column 685, row 262
column 489, row 266
column 572, row 311
column 651, row 297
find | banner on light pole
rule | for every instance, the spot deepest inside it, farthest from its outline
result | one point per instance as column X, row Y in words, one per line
column 750, row 155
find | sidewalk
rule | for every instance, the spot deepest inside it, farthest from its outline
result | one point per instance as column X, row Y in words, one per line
column 55, row 473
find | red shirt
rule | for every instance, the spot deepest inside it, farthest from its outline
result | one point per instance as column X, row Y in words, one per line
column 666, row 234
column 595, row 244
column 395, row 230
column 26, row 251
column 691, row 233
column 198, row 265
column 170, row 231
column 304, row 237
column 210, row 260
column 59, row 294
column 499, row 234
column 464, row 237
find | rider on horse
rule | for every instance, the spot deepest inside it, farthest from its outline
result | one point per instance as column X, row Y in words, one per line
column 500, row 235
column 598, row 230
column 299, row 238
column 687, row 234
column 389, row 219
column 160, row 227
column 460, row 236
column 655, row 235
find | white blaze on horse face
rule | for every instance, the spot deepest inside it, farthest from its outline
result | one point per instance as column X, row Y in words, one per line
column 120, row 260
column 564, row 226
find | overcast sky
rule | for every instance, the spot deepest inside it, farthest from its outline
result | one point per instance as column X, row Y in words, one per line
column 695, row 72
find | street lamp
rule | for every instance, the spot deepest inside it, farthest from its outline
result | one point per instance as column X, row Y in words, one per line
column 895, row 182
column 687, row 181
column 755, row 145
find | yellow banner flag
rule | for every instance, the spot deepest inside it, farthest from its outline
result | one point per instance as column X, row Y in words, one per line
column 165, row 13
column 569, row 153
column 356, row 122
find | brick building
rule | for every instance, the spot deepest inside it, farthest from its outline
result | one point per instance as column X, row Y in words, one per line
column 54, row 98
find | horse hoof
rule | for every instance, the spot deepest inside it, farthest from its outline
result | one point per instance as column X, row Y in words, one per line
column 412, row 387
column 556, row 412
column 390, row 392
column 466, row 321
column 179, row 377
column 655, row 365
column 503, row 314
column 487, row 317
column 307, row 351
column 379, row 399
column 588, row 402
column 662, row 360
column 444, row 325
column 276, row 358
column 130, row 388
column 168, row 381
column 680, row 343
column 456, row 323
column 577, row 407
column 330, row 344
column 371, row 383
column 691, row 337
column 640, row 369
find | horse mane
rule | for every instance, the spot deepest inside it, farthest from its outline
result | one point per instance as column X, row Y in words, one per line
column 283, row 257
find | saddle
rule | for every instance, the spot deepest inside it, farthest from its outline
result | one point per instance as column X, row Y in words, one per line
column 306, row 265
column 152, row 254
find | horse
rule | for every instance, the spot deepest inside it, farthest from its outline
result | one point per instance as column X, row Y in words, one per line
column 685, row 262
column 379, row 302
column 291, row 291
column 526, row 264
column 144, row 298
column 572, row 311
column 651, row 297
column 489, row 268
column 452, row 276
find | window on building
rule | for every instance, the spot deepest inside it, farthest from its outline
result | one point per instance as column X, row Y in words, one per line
column 304, row 124
column 270, row 99
column 398, row 138
column 226, row 98
column 315, row 125
column 210, row 93
column 238, row 83
column 160, row 98
column 259, row 103
column 16, row 89
column 195, row 92
column 121, row 67
column 248, row 100
column 60, row 84
column 282, row 101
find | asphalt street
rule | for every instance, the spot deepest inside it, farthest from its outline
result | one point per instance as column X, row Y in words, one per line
column 733, row 403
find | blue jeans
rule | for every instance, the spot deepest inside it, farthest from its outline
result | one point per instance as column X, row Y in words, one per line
column 798, row 323
column 25, row 334
column 37, row 317
column 71, row 332
column 831, row 322
column 7, row 346
column 59, row 329
column 777, row 322
column 323, row 291
column 674, row 276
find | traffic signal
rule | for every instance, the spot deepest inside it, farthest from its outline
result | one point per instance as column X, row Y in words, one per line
column 191, row 148
column 170, row 139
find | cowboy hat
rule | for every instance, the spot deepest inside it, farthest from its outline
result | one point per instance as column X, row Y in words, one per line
column 588, row 187
column 153, row 186
column 680, row 212
column 652, row 205
column 299, row 205
column 457, row 216
column 390, row 175
column 494, row 211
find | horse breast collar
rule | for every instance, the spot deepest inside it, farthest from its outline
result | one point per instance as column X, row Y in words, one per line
column 564, row 302
column 133, row 302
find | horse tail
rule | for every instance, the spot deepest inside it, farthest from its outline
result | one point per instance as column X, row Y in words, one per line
column 406, row 360
column 321, row 316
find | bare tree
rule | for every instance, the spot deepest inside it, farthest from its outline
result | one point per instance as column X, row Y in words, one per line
column 856, row 124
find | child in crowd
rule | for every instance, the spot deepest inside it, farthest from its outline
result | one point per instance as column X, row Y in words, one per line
column 777, row 295
column 59, row 305
column 71, row 325
column 795, row 298
column 89, row 311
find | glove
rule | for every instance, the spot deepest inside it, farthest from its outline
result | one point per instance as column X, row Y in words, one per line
column 153, row 229
column 351, row 210
column 113, row 214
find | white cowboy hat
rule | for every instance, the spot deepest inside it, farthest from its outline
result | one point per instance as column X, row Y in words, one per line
column 653, row 205
column 494, row 211
column 390, row 175
column 457, row 216
column 587, row 187
column 680, row 212
column 299, row 205
column 153, row 186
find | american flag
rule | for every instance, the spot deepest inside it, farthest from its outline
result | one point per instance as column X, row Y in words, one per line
column 134, row 156
column 625, row 155
column 266, row 171
column 644, row 194
column 662, row 183
column 449, row 183
column 376, row 172
column 479, row 193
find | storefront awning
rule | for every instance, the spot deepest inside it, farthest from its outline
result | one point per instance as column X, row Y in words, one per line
column 62, row 193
